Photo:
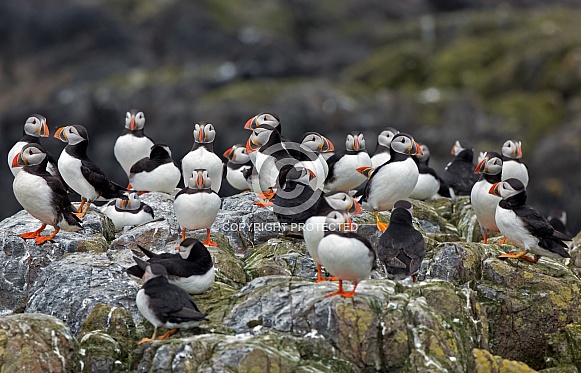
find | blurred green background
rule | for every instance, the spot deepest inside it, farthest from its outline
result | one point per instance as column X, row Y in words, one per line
column 486, row 71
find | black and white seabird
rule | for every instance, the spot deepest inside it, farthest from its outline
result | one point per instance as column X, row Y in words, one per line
column 42, row 195
column 165, row 305
column 524, row 226
column 314, row 146
column 155, row 173
column 314, row 228
column 202, row 156
column 382, row 151
column 196, row 206
column 295, row 201
column 128, row 211
column 512, row 166
column 393, row 180
column 260, row 119
column 484, row 203
column 401, row 247
column 459, row 173
column 429, row 184
column 238, row 165
column 34, row 128
column 132, row 145
column 192, row 268
column 345, row 254
column 343, row 165
column 80, row 172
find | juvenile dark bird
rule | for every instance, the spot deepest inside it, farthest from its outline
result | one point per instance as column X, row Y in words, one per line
column 42, row 195
column 202, row 156
column 459, row 173
column 80, row 172
column 192, row 268
column 484, row 203
column 512, row 166
column 132, row 145
column 155, row 173
column 401, row 247
column 524, row 226
column 128, row 211
column 165, row 305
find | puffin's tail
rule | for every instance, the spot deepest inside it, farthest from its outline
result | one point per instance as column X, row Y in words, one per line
column 70, row 222
column 555, row 245
column 115, row 190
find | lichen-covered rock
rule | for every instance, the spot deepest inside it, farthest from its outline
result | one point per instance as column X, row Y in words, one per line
column 488, row 363
column 564, row 347
column 37, row 343
column 70, row 288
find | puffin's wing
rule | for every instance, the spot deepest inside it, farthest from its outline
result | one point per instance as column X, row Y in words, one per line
column 173, row 303
column 416, row 250
column 105, row 187
column 331, row 163
column 60, row 196
column 389, row 248
column 147, row 253
column 139, row 166
column 535, row 222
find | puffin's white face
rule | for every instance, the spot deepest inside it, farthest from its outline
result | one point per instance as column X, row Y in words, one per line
column 184, row 251
column 240, row 155
column 340, row 201
column 493, row 166
column 425, row 154
column 260, row 136
column 157, row 271
column 204, row 133
column 512, row 149
column 337, row 221
column 31, row 155
column 36, row 126
column 261, row 119
column 404, row 144
column 135, row 122
column 313, row 141
column 131, row 203
column 70, row 135
column 385, row 137
column 507, row 188
column 355, row 142
column 200, row 179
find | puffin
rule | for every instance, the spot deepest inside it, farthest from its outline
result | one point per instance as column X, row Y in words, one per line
column 429, row 183
column 342, row 174
column 238, row 165
column 128, row 211
column 34, row 128
column 524, row 226
column 393, row 180
column 345, row 254
column 382, row 153
column 42, row 195
column 260, row 119
column 155, row 173
column 192, row 268
column 196, row 206
column 80, row 172
column 165, row 305
column 132, row 145
column 202, row 156
column 484, row 203
column 295, row 201
column 314, row 228
column 512, row 166
column 401, row 247
column 314, row 146
column 459, row 173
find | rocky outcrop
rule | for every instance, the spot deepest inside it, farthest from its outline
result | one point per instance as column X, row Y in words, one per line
column 470, row 311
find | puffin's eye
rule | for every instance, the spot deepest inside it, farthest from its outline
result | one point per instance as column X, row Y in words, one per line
column 34, row 121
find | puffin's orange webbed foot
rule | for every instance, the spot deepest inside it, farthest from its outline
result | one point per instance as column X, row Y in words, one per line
column 167, row 334
column 263, row 204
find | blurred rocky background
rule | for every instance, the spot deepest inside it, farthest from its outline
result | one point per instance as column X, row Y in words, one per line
column 484, row 70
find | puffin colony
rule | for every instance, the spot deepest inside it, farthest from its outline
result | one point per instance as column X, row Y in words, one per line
column 307, row 184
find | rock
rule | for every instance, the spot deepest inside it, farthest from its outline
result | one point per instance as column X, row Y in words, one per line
column 488, row 363
column 37, row 343
column 564, row 347
column 70, row 288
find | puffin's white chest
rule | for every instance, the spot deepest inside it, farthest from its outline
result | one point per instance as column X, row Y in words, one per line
column 514, row 169
column 379, row 159
column 484, row 205
column 35, row 196
column 70, row 169
column 512, row 227
column 12, row 153
column 202, row 158
column 320, row 168
column 347, row 258
column 142, row 301
column 164, row 178
column 124, row 218
column 196, row 210
column 194, row 284
column 313, row 233
column 426, row 187
column 390, row 183
column 345, row 172
column 236, row 178
column 129, row 149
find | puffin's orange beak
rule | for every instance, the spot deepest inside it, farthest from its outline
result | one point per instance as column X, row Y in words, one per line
column 250, row 124
column 60, row 134
column 327, row 145
column 365, row 171
column 124, row 203
column 250, row 146
column 228, row 152
column 18, row 161
column 311, row 174
column 358, row 209
column 452, row 151
column 480, row 167
column 200, row 180
column 44, row 131
column 494, row 189
column 419, row 150
column 132, row 124
column 201, row 135
column 356, row 144
column 518, row 151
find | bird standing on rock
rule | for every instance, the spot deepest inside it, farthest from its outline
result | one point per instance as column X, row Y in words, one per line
column 238, row 165
column 155, row 173
column 484, row 203
column 314, row 145
column 512, row 166
column 343, row 165
column 165, row 305
column 34, row 128
column 133, row 144
column 202, row 156
column 196, row 206
column 459, row 173
column 524, row 226
column 295, row 201
column 80, row 172
column 429, row 184
column 128, row 211
column 42, row 195
column 401, row 247
column 345, row 254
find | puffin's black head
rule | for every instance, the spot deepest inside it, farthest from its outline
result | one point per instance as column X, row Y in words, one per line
column 261, row 119
column 154, row 270
column 490, row 164
column 297, row 174
column 404, row 144
column 159, row 151
column 190, row 246
column 403, row 204
column 508, row 188
column 512, row 149
column 384, row 138
column 31, row 154
column 72, row 135
column 461, row 145
column 36, row 126
column 200, row 179
column 338, row 221
column 134, row 120
column 204, row 133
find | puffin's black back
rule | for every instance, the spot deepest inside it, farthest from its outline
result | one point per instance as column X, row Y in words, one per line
column 459, row 174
